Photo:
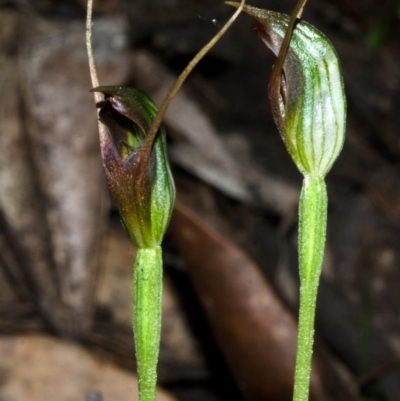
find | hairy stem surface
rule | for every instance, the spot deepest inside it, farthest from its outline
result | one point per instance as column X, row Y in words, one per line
column 312, row 233
column 147, row 294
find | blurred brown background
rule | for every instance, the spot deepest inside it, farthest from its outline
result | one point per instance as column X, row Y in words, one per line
column 230, row 296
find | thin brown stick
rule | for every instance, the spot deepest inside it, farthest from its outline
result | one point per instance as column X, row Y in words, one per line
column 296, row 14
column 98, row 97
column 278, row 66
column 151, row 134
column 92, row 65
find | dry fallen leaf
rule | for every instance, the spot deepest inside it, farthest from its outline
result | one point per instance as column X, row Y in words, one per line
column 38, row 368
column 52, row 182
column 255, row 331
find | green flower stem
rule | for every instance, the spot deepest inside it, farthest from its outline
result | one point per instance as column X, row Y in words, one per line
column 312, row 233
column 147, row 295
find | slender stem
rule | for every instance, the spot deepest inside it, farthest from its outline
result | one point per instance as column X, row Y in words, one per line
column 312, row 233
column 92, row 66
column 296, row 14
column 89, row 47
column 181, row 79
column 275, row 81
column 147, row 293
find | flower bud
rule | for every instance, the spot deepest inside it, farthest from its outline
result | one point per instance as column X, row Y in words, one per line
column 308, row 101
column 137, row 169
